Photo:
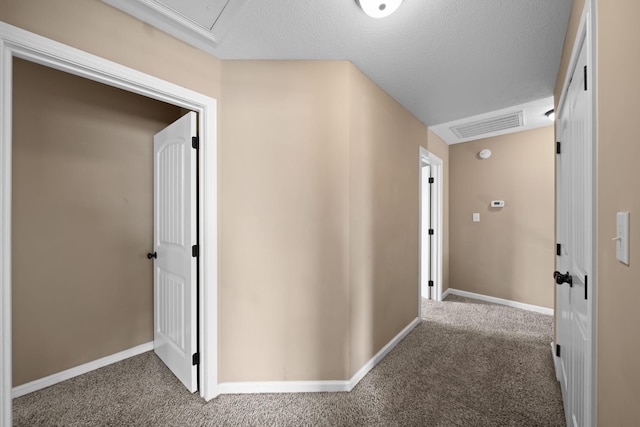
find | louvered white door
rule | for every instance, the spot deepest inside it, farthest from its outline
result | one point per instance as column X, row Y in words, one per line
column 575, row 234
column 175, row 268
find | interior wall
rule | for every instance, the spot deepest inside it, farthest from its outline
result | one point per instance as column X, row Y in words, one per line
column 283, row 212
column 383, row 217
column 440, row 148
column 82, row 213
column 618, row 92
column 510, row 253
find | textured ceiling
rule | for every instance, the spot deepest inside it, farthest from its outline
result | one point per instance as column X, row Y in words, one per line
column 441, row 59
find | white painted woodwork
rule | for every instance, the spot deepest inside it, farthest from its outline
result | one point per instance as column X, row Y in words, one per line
column 202, row 12
column 16, row 42
column 318, row 386
column 424, row 232
column 85, row 368
column 501, row 301
column 575, row 232
column 175, row 228
column 430, row 246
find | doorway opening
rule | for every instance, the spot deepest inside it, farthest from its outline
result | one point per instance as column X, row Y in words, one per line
column 18, row 43
column 431, row 212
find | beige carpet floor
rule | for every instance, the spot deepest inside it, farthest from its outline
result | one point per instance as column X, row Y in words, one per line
column 468, row 363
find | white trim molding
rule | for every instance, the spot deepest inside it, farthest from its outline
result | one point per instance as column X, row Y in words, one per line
column 50, row 380
column 437, row 214
column 16, row 42
column 316, row 386
column 510, row 303
column 282, row 387
column 382, row 353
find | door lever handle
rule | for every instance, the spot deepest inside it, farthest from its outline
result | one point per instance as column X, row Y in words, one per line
column 152, row 255
column 563, row 278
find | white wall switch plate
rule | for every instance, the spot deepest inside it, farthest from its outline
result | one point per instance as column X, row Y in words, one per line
column 622, row 237
column 476, row 217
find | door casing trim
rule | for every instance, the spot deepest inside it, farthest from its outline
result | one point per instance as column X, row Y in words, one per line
column 436, row 163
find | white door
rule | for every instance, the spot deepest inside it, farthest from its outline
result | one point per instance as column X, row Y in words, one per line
column 175, row 234
column 427, row 239
column 575, row 236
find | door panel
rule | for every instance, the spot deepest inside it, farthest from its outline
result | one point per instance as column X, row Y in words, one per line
column 175, row 269
column 575, row 233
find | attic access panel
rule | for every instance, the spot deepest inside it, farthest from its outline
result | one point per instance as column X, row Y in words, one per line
column 203, row 12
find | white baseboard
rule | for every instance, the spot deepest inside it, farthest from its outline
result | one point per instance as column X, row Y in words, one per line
column 282, row 387
column 445, row 294
column 45, row 382
column 382, row 353
column 516, row 304
column 315, row 386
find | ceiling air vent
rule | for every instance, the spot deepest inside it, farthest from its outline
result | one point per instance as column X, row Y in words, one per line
column 494, row 124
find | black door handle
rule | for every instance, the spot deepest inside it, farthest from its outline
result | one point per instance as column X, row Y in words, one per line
column 563, row 278
column 152, row 255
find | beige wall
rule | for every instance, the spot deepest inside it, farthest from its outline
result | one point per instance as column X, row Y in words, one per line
column 440, row 148
column 82, row 219
column 318, row 220
column 510, row 253
column 383, row 217
column 618, row 108
column 284, row 298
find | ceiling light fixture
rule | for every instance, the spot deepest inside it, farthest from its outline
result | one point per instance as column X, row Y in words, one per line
column 379, row 8
column 551, row 115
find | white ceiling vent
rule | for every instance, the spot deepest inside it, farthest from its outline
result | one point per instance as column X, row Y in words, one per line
column 494, row 124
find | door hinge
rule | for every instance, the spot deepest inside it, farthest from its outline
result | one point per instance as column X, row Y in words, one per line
column 431, row 283
column 586, row 285
column 557, row 350
column 195, row 359
column 585, row 77
column 558, row 147
column 194, row 251
column 431, row 180
column 431, row 232
column 195, row 142
column 558, row 249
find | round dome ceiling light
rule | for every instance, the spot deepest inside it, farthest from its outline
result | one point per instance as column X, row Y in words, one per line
column 379, row 8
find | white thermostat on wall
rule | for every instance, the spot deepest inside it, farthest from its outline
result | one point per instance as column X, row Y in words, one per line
column 497, row 203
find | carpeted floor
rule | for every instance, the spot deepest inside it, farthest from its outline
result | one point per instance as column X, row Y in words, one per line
column 468, row 363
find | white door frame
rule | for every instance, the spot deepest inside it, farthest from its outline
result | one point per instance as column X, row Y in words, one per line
column 586, row 35
column 437, row 216
column 16, row 42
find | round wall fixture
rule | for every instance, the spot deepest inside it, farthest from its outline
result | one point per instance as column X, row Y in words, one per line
column 484, row 154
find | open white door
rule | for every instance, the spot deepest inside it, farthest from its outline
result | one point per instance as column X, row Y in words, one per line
column 574, row 291
column 175, row 245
